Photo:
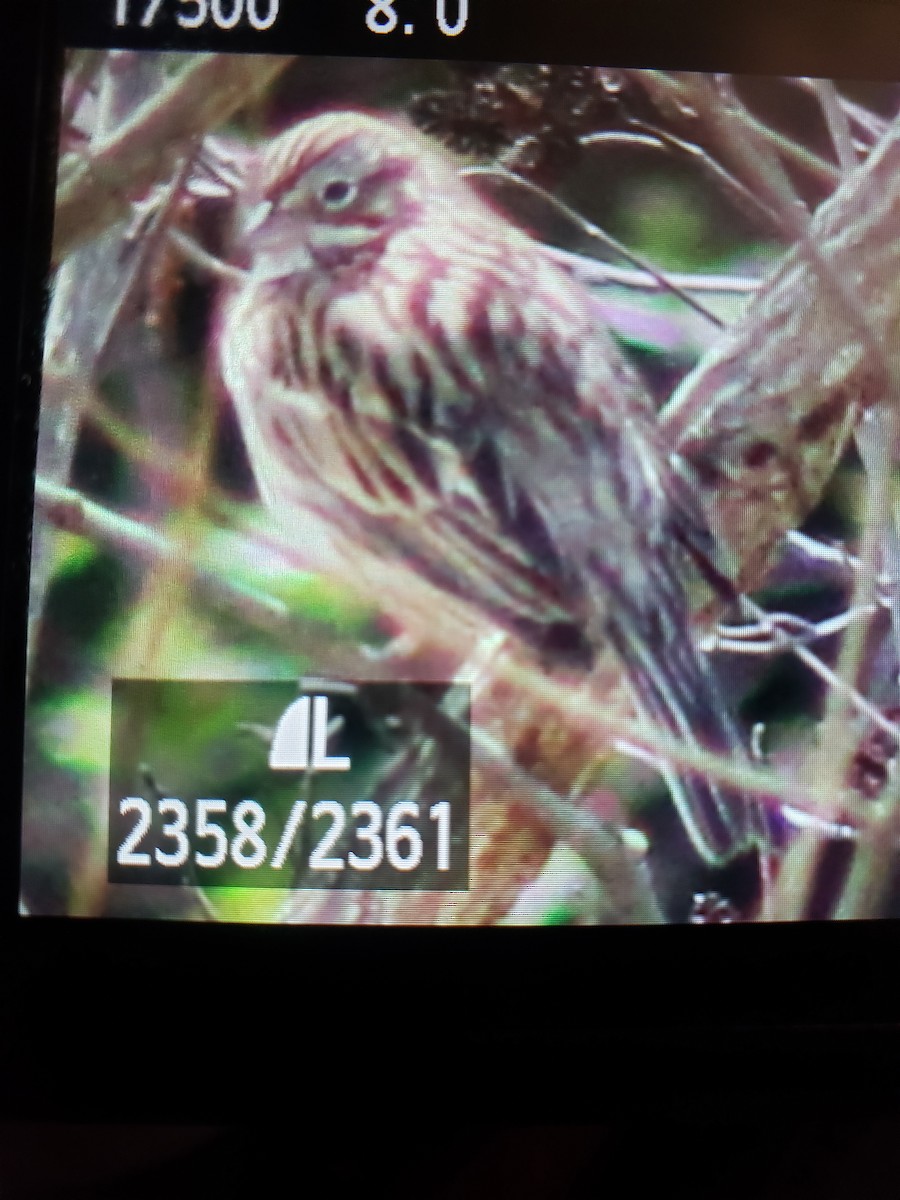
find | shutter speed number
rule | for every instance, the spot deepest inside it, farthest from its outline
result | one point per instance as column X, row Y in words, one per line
column 195, row 14
column 391, row 836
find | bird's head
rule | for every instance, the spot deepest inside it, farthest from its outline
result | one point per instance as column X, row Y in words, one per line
column 331, row 191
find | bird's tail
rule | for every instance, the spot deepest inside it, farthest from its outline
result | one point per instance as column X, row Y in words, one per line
column 675, row 688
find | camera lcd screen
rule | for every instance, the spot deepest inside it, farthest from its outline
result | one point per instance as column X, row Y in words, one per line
column 464, row 491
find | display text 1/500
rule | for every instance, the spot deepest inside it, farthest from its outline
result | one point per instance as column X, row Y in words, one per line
column 392, row 836
column 197, row 14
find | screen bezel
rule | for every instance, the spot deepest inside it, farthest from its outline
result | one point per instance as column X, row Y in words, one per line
column 570, row 1002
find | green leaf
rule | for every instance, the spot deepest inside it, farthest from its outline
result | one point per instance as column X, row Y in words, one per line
column 74, row 731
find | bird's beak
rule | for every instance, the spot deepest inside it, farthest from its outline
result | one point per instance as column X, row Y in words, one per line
column 276, row 252
column 256, row 218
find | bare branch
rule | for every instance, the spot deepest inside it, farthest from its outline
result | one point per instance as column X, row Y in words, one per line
column 766, row 415
column 674, row 96
column 101, row 187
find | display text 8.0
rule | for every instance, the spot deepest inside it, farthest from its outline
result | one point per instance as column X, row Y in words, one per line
column 383, row 17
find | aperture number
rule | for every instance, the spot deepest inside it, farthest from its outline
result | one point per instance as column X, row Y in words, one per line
column 382, row 17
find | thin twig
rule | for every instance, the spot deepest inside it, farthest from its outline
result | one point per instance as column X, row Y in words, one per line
column 838, row 124
column 201, row 97
column 740, row 195
column 834, row 679
column 774, row 183
column 195, row 254
column 874, row 861
column 871, row 124
column 777, row 632
column 599, row 272
column 673, row 95
column 74, row 513
column 875, row 442
column 593, row 233
column 829, row 764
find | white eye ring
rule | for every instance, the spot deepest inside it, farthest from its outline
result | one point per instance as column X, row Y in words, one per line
column 338, row 194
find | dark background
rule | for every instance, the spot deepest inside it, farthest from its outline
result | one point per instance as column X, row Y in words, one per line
column 738, row 1061
column 811, row 37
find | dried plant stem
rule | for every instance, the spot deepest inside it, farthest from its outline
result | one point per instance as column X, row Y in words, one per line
column 720, row 108
column 838, row 123
column 768, row 412
column 602, row 273
column 101, row 187
column 827, row 767
column 874, row 861
column 780, row 640
column 741, row 196
column 85, row 68
column 67, row 510
column 585, row 712
column 816, row 348
column 592, row 235
column 675, row 97
column 599, row 844
column 837, row 732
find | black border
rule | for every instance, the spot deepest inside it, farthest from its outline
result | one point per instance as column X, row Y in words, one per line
column 811, row 37
column 134, row 1020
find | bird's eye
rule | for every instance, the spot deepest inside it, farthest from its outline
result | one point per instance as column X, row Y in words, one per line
column 338, row 194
